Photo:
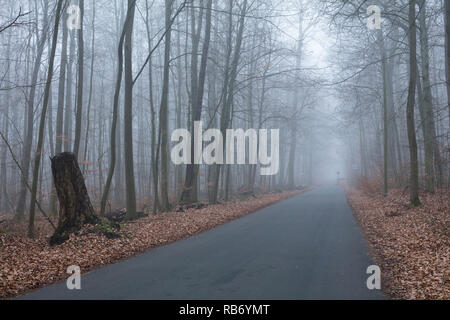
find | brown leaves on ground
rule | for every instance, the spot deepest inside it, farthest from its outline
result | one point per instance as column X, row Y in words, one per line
column 27, row 264
column 411, row 245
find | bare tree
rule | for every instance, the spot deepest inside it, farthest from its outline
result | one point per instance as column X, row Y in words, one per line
column 189, row 194
column 128, row 115
column 414, row 165
column 38, row 155
column 15, row 22
column 26, row 156
column 164, row 111
column 112, row 163
column 79, row 112
column 447, row 52
column 61, row 87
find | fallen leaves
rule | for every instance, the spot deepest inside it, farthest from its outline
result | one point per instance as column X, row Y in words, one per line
column 411, row 245
column 27, row 264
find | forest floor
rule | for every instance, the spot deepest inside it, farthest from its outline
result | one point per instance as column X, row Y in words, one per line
column 410, row 245
column 27, row 264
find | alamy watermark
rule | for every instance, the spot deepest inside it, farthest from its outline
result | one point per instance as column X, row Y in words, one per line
column 74, row 281
column 374, row 19
column 374, row 281
column 235, row 149
column 74, row 19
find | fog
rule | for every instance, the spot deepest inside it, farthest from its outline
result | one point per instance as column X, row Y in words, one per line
column 125, row 75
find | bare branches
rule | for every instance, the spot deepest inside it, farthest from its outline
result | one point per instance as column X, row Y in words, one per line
column 180, row 9
column 26, row 182
column 15, row 22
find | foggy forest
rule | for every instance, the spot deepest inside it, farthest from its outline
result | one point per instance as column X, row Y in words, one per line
column 116, row 118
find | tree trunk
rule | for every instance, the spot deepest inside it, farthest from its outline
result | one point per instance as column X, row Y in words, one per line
column 414, row 165
column 385, row 115
column 428, row 125
column 128, row 115
column 91, row 83
column 178, row 114
column 75, row 206
column 39, row 148
column 112, row 163
column 79, row 114
column 154, row 145
column 61, row 87
column 69, row 87
column 218, row 167
column 26, row 158
column 190, row 189
column 4, row 200
column 164, row 113
column 229, row 83
column 447, row 52
column 293, row 124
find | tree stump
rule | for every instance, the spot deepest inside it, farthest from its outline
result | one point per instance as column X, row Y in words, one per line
column 75, row 208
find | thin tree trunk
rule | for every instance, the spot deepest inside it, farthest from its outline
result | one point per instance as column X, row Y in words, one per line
column 164, row 112
column 79, row 113
column 154, row 152
column 91, row 82
column 112, row 163
column 61, row 87
column 293, row 123
column 447, row 52
column 4, row 174
column 128, row 116
column 26, row 158
column 414, row 165
column 69, row 87
column 37, row 160
column 229, row 83
column 385, row 116
column 428, row 126
column 190, row 189
column 178, row 114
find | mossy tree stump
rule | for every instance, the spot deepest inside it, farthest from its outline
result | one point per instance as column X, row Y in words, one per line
column 75, row 208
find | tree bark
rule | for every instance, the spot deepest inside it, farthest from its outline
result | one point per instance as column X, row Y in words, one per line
column 39, row 149
column 189, row 195
column 428, row 125
column 75, row 206
column 447, row 53
column 61, row 87
column 26, row 158
column 112, row 163
column 164, row 112
column 154, row 144
column 69, row 88
column 292, row 123
column 128, row 116
column 385, row 115
column 213, row 196
column 79, row 114
column 229, row 84
column 91, row 84
column 414, row 164
column 4, row 199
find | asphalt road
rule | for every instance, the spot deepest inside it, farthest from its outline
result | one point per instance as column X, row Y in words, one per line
column 308, row 247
